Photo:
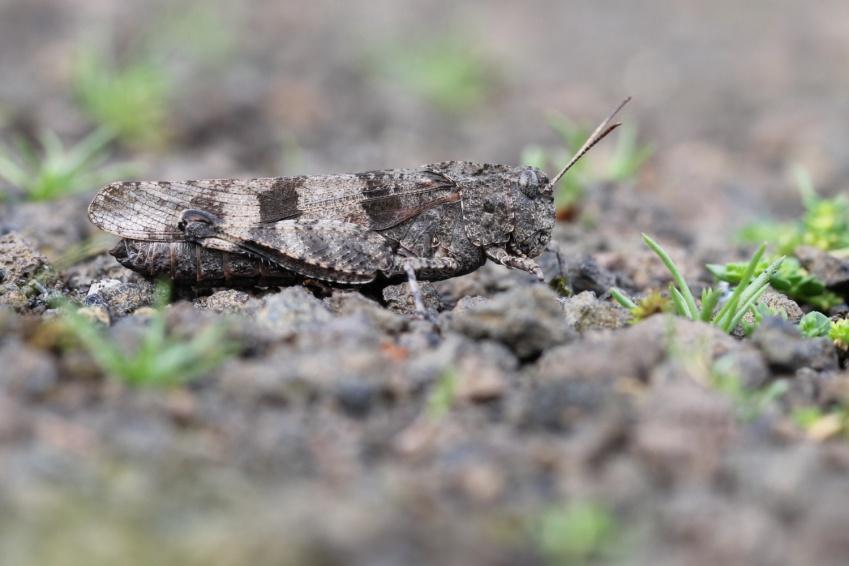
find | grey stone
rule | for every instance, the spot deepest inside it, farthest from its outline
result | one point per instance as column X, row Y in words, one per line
column 25, row 272
column 747, row 364
column 785, row 349
column 118, row 297
column 830, row 269
column 634, row 352
column 399, row 299
column 355, row 397
column 586, row 312
column 346, row 303
column 585, row 274
column 527, row 320
column 20, row 260
column 291, row 310
column 782, row 303
column 27, row 372
column 227, row 301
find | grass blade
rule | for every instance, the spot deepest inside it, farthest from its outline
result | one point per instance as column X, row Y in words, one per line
column 622, row 299
column 689, row 301
column 710, row 297
column 734, row 322
column 755, row 288
column 679, row 301
column 731, row 305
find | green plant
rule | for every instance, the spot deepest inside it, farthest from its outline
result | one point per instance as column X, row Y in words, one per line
column 446, row 71
column 824, row 224
column 443, row 395
column 158, row 359
column 576, row 533
column 814, row 325
column 791, row 279
column 728, row 316
column 628, row 157
column 59, row 171
column 839, row 333
column 130, row 100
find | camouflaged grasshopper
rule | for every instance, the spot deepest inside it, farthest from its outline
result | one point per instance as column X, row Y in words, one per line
column 433, row 222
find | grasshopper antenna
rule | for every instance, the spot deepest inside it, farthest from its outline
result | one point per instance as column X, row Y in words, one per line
column 599, row 134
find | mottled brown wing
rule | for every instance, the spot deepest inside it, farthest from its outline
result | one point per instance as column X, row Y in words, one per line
column 150, row 210
column 329, row 250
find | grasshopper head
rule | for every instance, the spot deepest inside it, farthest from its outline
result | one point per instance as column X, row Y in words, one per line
column 506, row 207
column 533, row 209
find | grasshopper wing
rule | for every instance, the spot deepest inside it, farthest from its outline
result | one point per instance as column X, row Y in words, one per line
column 151, row 210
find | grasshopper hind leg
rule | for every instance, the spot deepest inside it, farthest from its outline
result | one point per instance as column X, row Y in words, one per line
column 412, row 267
column 416, row 292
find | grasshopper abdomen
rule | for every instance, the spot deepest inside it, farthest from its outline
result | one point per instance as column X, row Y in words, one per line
column 187, row 263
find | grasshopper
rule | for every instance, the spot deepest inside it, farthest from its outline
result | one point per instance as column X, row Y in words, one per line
column 432, row 222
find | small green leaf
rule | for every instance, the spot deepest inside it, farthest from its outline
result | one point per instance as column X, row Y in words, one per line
column 814, row 325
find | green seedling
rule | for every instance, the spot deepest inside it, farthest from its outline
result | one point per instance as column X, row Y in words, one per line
column 814, row 325
column 839, row 333
column 57, row 171
column 443, row 395
column 131, row 100
column 824, row 224
column 628, row 158
column 158, row 359
column 445, row 71
column 791, row 279
column 727, row 316
column 576, row 533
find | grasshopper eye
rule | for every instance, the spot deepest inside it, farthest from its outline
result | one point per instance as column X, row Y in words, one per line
column 529, row 183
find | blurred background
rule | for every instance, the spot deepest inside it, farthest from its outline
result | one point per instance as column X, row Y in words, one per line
column 727, row 96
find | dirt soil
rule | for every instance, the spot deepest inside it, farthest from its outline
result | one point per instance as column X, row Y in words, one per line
column 529, row 422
